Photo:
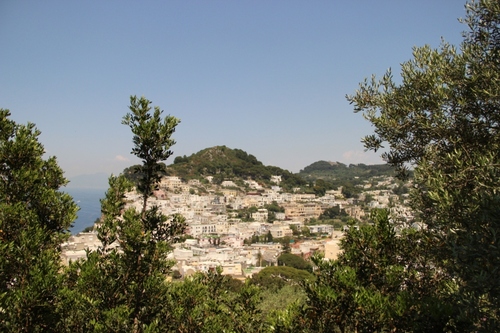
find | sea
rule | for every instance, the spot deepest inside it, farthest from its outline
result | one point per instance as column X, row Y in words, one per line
column 88, row 199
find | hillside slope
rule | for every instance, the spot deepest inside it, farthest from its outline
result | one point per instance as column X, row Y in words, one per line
column 223, row 163
column 339, row 171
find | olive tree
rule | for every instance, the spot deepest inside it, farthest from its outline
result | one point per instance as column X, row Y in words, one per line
column 442, row 119
column 380, row 282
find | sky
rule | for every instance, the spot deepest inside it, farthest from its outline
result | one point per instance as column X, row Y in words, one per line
column 268, row 77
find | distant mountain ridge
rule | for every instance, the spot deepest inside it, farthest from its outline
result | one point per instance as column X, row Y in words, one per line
column 335, row 170
column 224, row 163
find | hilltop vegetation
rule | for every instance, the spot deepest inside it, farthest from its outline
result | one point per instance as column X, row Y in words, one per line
column 223, row 163
column 340, row 171
column 324, row 176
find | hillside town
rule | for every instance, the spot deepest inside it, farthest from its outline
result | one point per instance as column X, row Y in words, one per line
column 217, row 235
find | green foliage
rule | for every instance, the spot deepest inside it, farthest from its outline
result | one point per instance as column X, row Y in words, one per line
column 276, row 277
column 295, row 261
column 285, row 243
column 181, row 159
column 134, row 174
column 34, row 219
column 326, row 176
column 320, row 187
column 206, row 303
column 295, row 230
column 306, row 232
column 282, row 296
column 335, row 170
column 274, row 207
column 321, row 166
column 350, row 191
column 334, row 212
column 443, row 120
column 276, row 301
column 152, row 141
column 124, row 289
column 245, row 214
column 380, row 282
column 225, row 163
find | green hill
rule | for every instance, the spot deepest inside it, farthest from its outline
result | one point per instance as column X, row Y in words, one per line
column 339, row 171
column 332, row 175
column 223, row 163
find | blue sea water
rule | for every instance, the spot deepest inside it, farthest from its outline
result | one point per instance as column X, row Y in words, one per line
column 90, row 207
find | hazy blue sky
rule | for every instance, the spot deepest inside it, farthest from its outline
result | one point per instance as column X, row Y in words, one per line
column 268, row 77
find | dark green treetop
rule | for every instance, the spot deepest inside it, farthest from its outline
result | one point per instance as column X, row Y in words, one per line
column 152, row 141
column 295, row 261
column 34, row 220
column 123, row 288
column 381, row 282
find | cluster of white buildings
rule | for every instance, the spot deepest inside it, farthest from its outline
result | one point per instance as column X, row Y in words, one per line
column 218, row 234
